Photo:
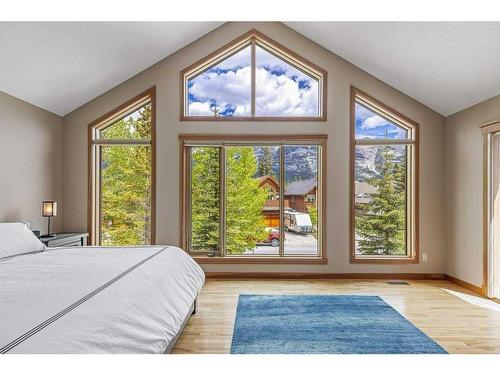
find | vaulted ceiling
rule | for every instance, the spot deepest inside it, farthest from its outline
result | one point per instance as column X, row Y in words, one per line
column 448, row 66
column 61, row 66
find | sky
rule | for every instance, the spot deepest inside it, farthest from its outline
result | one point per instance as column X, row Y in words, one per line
column 281, row 90
column 371, row 125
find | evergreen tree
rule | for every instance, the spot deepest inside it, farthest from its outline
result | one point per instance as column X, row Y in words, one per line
column 245, row 225
column 126, row 183
column 266, row 162
column 205, row 197
column 381, row 225
column 313, row 214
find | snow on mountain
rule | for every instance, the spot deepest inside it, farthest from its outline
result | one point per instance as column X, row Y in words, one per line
column 301, row 162
column 369, row 160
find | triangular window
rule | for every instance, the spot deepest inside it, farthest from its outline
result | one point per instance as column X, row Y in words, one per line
column 370, row 123
column 135, row 123
column 253, row 78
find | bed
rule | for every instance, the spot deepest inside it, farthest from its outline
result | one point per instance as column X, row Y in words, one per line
column 95, row 299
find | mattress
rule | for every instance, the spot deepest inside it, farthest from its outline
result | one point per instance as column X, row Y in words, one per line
column 96, row 300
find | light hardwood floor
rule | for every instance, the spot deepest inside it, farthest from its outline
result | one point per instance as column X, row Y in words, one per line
column 457, row 325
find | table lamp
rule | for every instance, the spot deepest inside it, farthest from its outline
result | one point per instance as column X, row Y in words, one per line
column 49, row 209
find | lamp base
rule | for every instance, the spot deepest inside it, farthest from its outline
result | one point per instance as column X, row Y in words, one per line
column 48, row 236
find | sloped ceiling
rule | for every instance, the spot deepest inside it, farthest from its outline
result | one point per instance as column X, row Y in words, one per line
column 448, row 66
column 61, row 66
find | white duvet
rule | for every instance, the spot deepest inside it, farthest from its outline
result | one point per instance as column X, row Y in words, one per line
column 96, row 300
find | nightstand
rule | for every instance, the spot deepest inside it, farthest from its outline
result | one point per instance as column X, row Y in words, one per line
column 66, row 240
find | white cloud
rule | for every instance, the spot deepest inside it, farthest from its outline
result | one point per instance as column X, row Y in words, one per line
column 280, row 95
column 200, row 109
column 239, row 59
column 370, row 120
column 398, row 132
column 229, row 88
column 264, row 59
column 362, row 112
column 275, row 95
column 373, row 122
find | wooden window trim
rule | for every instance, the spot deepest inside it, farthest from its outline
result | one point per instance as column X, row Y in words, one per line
column 253, row 38
column 386, row 111
column 147, row 95
column 252, row 259
column 231, row 139
column 489, row 130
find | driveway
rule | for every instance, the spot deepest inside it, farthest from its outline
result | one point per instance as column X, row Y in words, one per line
column 295, row 244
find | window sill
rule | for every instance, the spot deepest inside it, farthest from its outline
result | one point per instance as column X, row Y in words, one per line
column 255, row 118
column 388, row 260
column 203, row 259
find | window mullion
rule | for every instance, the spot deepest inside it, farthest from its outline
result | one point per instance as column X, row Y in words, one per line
column 282, row 200
column 252, row 70
column 222, row 201
column 189, row 196
column 99, row 196
column 410, row 198
column 383, row 142
column 126, row 142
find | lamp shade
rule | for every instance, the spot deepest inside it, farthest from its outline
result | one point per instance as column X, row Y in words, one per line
column 49, row 208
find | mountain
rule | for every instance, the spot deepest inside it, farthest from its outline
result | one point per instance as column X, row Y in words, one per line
column 300, row 161
column 369, row 159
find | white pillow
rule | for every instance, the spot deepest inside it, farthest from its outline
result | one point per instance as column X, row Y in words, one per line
column 17, row 238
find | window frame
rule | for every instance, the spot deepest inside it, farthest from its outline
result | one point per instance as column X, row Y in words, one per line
column 188, row 140
column 412, row 176
column 94, row 142
column 253, row 38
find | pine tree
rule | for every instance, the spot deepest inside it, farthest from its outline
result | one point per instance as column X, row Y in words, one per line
column 381, row 226
column 266, row 162
column 245, row 225
column 126, row 183
column 205, row 197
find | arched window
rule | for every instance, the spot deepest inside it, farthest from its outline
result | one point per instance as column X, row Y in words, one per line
column 253, row 78
column 384, row 194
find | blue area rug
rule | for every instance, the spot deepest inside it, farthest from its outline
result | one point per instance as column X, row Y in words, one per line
column 308, row 324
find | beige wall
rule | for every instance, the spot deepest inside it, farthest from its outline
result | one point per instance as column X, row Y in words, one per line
column 464, row 190
column 341, row 74
column 30, row 162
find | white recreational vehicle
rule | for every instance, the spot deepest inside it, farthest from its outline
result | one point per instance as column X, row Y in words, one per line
column 298, row 222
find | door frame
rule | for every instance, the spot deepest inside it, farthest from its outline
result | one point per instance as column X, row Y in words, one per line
column 488, row 213
column 491, row 209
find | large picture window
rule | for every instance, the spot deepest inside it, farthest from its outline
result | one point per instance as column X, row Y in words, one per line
column 121, row 174
column 254, row 78
column 384, row 204
column 253, row 197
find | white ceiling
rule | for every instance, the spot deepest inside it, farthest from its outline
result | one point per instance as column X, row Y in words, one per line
column 61, row 66
column 448, row 66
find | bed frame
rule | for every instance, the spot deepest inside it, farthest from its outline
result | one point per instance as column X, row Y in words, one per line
column 191, row 312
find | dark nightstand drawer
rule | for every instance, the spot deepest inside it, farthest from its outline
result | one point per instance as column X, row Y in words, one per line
column 66, row 244
column 66, row 240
